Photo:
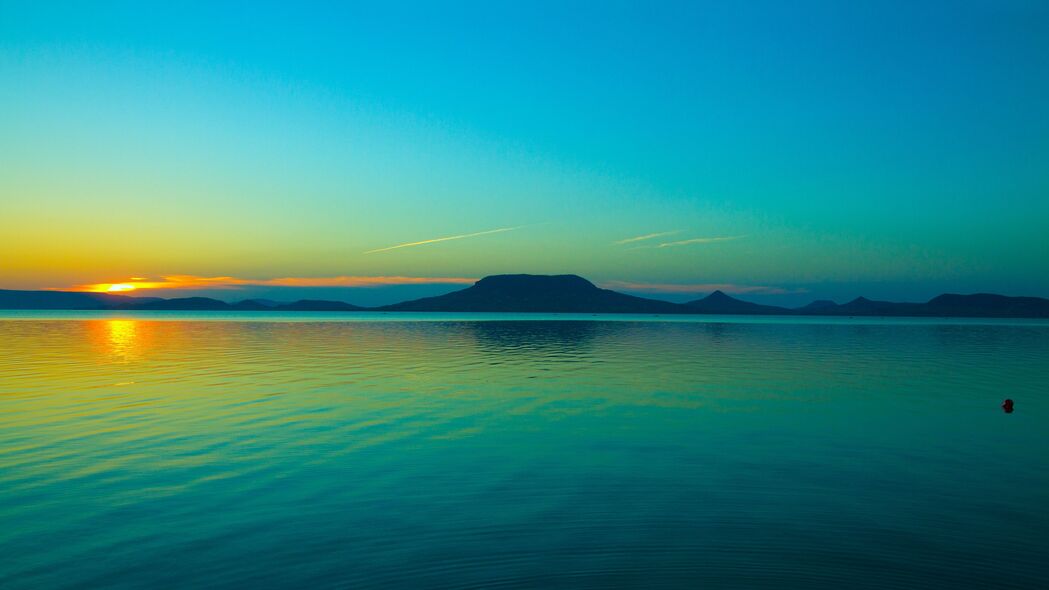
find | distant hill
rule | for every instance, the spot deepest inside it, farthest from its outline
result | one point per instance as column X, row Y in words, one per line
column 536, row 293
column 718, row 302
column 317, row 305
column 208, row 304
column 862, row 306
column 255, row 305
column 180, row 303
column 74, row 300
column 551, row 294
column 59, row 300
column 817, row 305
column 988, row 305
column 978, row 305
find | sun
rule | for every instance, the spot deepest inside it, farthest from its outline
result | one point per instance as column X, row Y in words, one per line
column 118, row 287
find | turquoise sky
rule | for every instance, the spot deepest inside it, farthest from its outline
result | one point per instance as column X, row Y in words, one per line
column 787, row 150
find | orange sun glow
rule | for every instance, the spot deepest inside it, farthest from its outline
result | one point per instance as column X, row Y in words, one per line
column 118, row 287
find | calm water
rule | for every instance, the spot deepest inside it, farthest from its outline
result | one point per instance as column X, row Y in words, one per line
column 150, row 453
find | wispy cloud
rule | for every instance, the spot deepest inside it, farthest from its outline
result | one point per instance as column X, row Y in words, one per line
column 698, row 288
column 688, row 242
column 445, row 239
column 181, row 282
column 699, row 241
column 647, row 237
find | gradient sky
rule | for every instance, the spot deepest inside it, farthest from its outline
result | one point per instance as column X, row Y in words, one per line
column 784, row 150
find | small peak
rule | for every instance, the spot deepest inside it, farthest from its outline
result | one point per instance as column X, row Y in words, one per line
column 718, row 295
column 820, row 304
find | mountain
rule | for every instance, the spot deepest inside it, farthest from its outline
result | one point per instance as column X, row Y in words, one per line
column 104, row 301
column 59, row 300
column 536, row 293
column 255, row 305
column 551, row 294
column 984, row 305
column 180, row 303
column 317, row 305
column 816, row 306
column 208, row 304
column 251, row 305
column 861, row 306
column 718, row 302
column 988, row 305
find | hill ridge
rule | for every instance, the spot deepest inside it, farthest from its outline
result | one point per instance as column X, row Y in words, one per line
column 566, row 293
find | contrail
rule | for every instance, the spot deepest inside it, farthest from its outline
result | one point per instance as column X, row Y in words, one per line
column 698, row 241
column 647, row 237
column 459, row 237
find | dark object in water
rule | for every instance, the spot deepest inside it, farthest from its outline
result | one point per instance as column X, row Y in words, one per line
column 1007, row 406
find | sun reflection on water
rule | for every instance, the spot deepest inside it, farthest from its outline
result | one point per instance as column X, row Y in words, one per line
column 123, row 339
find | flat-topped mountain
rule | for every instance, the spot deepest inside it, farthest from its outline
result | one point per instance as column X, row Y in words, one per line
column 536, row 293
column 552, row 294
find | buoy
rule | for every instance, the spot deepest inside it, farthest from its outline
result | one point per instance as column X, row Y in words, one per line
column 1007, row 406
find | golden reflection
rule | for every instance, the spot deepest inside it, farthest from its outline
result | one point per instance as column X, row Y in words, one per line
column 122, row 339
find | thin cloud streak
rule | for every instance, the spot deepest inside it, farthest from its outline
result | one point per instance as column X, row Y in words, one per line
column 646, row 237
column 445, row 239
column 699, row 241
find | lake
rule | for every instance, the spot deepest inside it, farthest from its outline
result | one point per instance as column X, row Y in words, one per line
column 177, row 450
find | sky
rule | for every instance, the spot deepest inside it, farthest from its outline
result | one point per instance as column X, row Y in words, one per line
column 781, row 151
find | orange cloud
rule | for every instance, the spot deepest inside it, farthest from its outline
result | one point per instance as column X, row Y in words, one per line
column 195, row 282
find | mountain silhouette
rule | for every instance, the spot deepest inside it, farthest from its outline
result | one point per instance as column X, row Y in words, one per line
column 719, row 302
column 316, row 305
column 817, row 305
column 180, row 303
column 988, row 305
column 536, row 293
column 60, row 300
column 865, row 307
column 550, row 294
column 253, row 305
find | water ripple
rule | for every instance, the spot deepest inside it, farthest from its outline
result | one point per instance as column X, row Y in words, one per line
column 522, row 454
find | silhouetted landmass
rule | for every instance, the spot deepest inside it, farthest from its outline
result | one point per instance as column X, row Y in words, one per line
column 551, row 294
column 59, row 300
column 104, row 301
column 865, row 307
column 181, row 304
column 948, row 305
column 252, row 305
column 317, row 305
column 262, row 302
column 817, row 305
column 989, row 305
column 536, row 293
column 718, row 302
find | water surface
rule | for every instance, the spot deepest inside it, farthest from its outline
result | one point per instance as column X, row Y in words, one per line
column 439, row 452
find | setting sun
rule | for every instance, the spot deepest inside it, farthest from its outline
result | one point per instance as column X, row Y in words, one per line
column 118, row 287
